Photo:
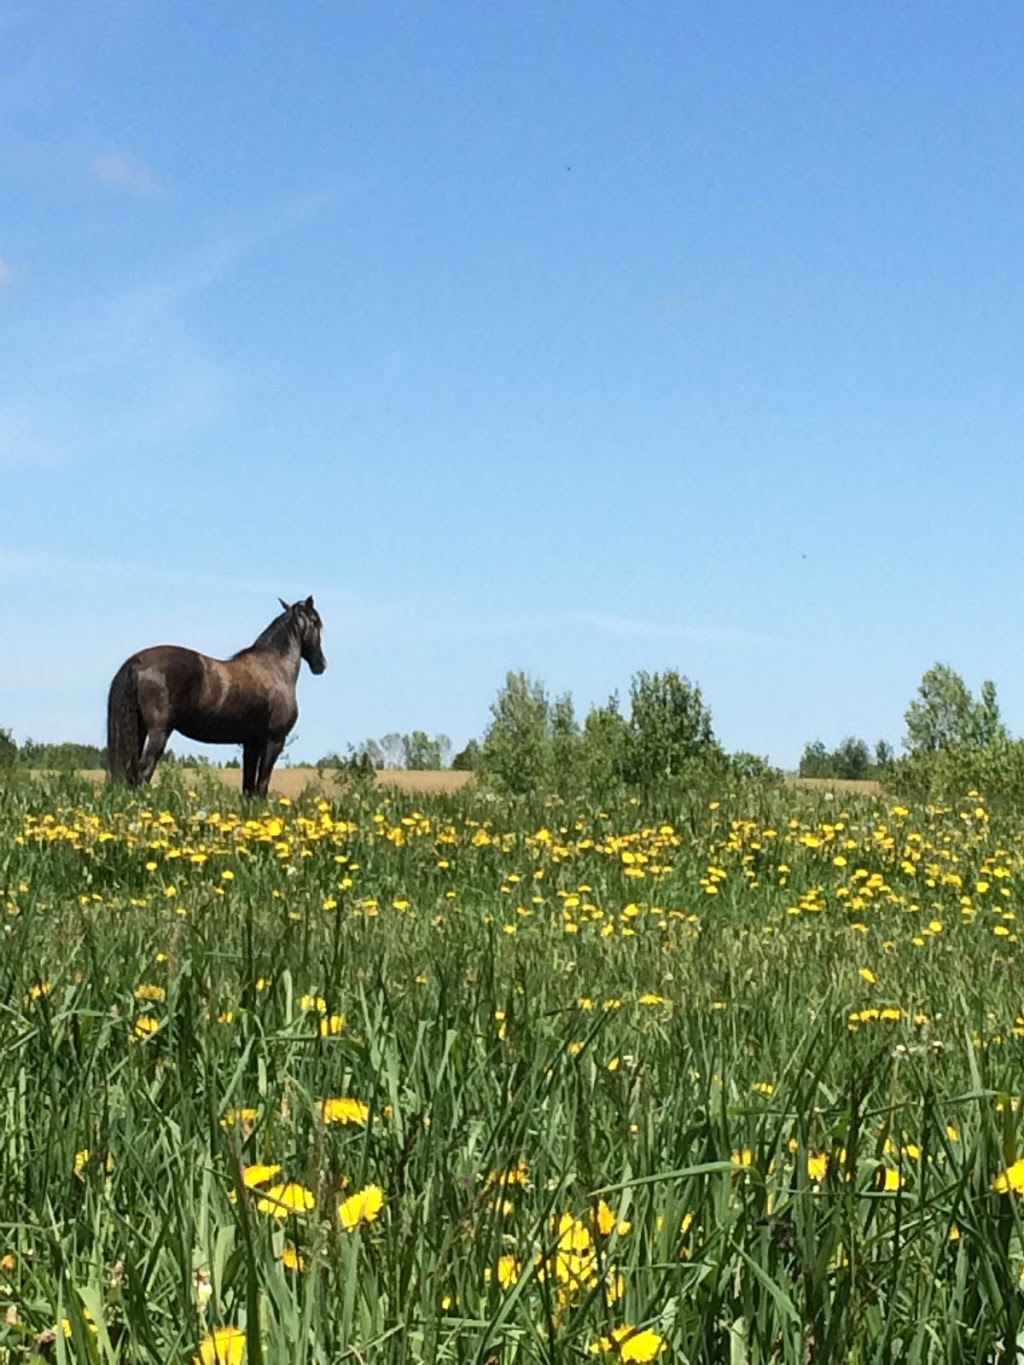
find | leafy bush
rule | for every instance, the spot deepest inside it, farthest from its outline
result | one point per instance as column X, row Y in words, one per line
column 949, row 773
column 467, row 760
column 670, row 732
column 851, row 761
column 536, row 746
column 516, row 755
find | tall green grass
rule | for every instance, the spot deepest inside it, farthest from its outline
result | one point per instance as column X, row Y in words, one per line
column 716, row 1102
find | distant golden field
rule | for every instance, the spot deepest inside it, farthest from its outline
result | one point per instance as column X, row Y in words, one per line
column 294, row 781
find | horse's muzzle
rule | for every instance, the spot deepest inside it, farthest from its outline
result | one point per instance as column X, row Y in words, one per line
column 319, row 666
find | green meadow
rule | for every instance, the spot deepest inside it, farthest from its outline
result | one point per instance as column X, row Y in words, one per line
column 408, row 1078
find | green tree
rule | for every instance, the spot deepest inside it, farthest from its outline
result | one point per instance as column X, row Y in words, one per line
column 815, row 761
column 467, row 760
column 604, row 747
column 945, row 713
column 670, row 732
column 63, row 757
column 357, row 762
column 8, row 750
column 989, row 726
column 370, row 753
column 423, row 754
column 565, row 745
column 853, row 760
column 516, row 754
column 753, row 767
column 392, row 750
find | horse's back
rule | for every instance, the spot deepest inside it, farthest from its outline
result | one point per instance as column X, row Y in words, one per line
column 212, row 700
column 171, row 680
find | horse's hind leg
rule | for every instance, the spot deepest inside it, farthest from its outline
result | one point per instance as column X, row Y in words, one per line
column 269, row 756
column 250, row 763
column 152, row 751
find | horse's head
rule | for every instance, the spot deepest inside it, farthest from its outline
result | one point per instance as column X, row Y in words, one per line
column 308, row 624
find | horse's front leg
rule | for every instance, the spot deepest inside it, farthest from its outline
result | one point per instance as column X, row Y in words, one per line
column 251, row 751
column 269, row 756
column 152, row 751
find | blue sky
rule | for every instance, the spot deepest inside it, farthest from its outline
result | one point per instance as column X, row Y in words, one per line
column 580, row 338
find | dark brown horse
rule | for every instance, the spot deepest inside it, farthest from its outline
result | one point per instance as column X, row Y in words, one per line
column 248, row 699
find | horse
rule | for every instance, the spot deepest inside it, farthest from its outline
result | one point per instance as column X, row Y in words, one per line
column 248, row 699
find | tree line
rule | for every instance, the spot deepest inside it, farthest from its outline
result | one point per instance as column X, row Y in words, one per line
column 662, row 736
column 953, row 742
column 63, row 757
column 534, row 742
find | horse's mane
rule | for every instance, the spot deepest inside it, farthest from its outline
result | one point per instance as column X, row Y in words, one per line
column 275, row 638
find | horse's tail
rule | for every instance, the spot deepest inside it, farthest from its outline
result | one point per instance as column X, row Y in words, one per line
column 124, row 725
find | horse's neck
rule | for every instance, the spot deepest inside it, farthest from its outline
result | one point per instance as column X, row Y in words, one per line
column 287, row 661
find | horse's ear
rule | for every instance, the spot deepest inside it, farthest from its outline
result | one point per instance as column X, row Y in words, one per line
column 284, row 603
column 309, row 603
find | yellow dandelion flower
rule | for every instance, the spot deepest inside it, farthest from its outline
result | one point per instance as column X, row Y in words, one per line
column 145, row 1026
column 1012, row 1179
column 508, row 1271
column 223, row 1346
column 282, row 1200
column 614, row 1287
column 575, row 1262
column 87, row 1318
column 629, row 1343
column 817, row 1165
column 519, row 1174
column 608, row 1223
column 242, row 1116
column 148, row 990
column 332, row 1025
column 344, row 1109
column 362, row 1207
column 258, row 1175
column 292, row 1259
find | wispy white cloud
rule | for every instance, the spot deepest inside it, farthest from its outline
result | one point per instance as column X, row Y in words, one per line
column 119, row 171
column 662, row 630
column 89, row 575
column 502, row 625
column 129, row 368
column 36, row 565
column 88, row 412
